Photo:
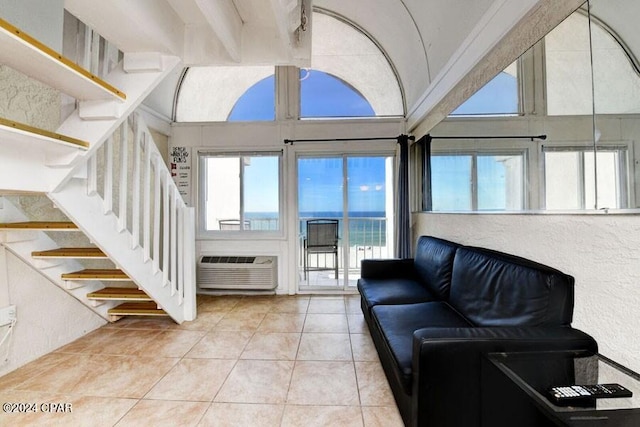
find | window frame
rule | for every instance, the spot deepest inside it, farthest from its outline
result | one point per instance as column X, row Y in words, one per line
column 203, row 232
column 623, row 178
column 474, row 154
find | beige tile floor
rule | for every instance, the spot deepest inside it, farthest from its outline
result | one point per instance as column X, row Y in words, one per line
column 245, row 361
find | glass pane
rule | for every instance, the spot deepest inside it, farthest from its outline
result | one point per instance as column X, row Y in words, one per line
column 257, row 103
column 370, row 204
column 222, row 193
column 209, row 94
column 563, row 180
column 498, row 97
column 261, row 192
column 451, row 182
column 320, row 187
column 500, row 182
column 323, row 95
column 568, row 68
column 609, row 194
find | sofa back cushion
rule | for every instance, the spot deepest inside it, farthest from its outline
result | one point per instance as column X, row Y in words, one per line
column 492, row 288
column 433, row 263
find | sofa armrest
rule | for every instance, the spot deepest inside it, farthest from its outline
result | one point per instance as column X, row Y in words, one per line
column 447, row 366
column 387, row 268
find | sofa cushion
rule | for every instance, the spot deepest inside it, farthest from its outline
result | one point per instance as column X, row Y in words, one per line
column 492, row 288
column 434, row 263
column 397, row 323
column 393, row 291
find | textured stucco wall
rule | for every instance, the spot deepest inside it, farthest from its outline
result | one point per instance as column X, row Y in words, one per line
column 47, row 317
column 601, row 251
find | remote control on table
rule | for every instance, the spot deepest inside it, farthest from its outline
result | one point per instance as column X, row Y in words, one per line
column 567, row 395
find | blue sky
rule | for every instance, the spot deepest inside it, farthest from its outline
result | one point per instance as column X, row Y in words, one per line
column 320, row 182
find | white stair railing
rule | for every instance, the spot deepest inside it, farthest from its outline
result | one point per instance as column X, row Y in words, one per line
column 130, row 177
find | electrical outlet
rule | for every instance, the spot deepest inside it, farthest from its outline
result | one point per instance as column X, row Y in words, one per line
column 7, row 315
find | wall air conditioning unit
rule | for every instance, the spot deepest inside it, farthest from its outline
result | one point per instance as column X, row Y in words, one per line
column 237, row 272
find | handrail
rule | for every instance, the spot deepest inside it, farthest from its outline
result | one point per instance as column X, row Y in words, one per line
column 146, row 202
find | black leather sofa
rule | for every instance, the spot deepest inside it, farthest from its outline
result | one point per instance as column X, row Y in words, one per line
column 433, row 317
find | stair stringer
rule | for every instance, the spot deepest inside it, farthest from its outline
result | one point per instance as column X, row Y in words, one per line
column 22, row 243
column 40, row 165
column 87, row 212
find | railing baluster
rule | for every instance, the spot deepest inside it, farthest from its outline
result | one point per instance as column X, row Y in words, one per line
column 180, row 267
column 166, row 229
column 146, row 204
column 189, row 308
column 124, row 172
column 174, row 238
column 135, row 218
column 108, row 176
column 92, row 174
column 157, row 198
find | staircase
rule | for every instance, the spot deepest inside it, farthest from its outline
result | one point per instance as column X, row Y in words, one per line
column 102, row 170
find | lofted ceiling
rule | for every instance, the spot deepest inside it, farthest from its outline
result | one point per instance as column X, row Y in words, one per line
column 442, row 50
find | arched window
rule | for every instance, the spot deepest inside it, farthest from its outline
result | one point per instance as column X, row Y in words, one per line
column 345, row 62
column 324, row 95
column 257, row 103
column 568, row 71
column 209, row 94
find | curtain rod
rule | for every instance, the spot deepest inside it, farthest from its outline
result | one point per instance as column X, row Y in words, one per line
column 531, row 137
column 378, row 138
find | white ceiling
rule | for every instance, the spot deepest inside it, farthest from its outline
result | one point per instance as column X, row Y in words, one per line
column 440, row 49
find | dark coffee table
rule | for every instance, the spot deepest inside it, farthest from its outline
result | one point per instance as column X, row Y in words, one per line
column 515, row 388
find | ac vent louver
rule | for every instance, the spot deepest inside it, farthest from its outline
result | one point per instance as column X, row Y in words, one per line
column 237, row 272
column 228, row 259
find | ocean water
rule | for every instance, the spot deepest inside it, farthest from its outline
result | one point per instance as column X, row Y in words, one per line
column 366, row 228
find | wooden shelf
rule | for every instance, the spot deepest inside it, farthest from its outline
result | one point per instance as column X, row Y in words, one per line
column 40, row 225
column 27, row 55
column 96, row 274
column 78, row 253
column 121, row 294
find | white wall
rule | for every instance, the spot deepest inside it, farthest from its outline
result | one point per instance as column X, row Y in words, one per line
column 47, row 317
column 38, row 18
column 600, row 250
column 270, row 136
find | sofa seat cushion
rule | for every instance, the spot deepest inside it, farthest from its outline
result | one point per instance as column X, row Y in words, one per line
column 397, row 323
column 393, row 291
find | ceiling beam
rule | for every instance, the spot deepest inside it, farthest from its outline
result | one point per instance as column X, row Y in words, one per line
column 133, row 26
column 223, row 18
column 504, row 33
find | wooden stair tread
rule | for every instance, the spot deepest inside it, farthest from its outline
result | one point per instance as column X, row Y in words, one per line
column 137, row 309
column 96, row 274
column 70, row 253
column 39, row 225
column 24, row 53
column 120, row 294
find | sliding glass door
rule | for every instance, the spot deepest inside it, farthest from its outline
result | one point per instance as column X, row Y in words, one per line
column 354, row 195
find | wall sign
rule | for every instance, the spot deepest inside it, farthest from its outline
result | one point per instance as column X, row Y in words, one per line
column 180, row 159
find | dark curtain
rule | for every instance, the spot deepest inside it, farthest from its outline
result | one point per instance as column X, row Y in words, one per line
column 403, row 222
column 425, row 145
